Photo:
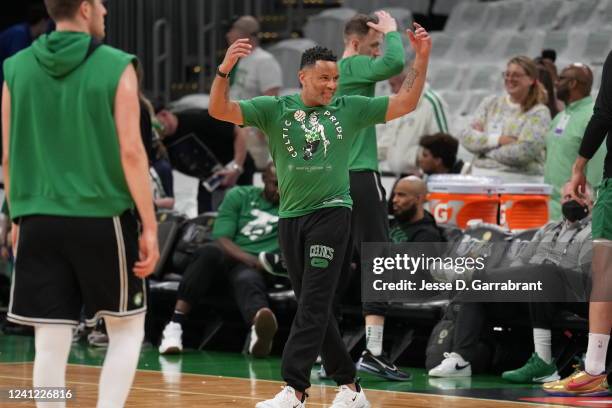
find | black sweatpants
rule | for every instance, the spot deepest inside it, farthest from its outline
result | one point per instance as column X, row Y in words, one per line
column 315, row 250
column 369, row 221
column 209, row 263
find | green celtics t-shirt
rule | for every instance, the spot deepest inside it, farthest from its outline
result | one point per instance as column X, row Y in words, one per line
column 248, row 219
column 310, row 146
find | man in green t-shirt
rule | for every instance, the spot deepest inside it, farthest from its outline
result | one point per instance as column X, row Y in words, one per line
column 310, row 136
column 74, row 169
column 361, row 67
column 566, row 131
column 246, row 234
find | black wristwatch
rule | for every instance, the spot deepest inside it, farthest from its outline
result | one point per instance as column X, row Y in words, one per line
column 223, row 75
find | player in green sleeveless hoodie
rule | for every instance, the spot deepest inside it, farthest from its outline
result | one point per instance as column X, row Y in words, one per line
column 310, row 136
column 74, row 167
column 360, row 68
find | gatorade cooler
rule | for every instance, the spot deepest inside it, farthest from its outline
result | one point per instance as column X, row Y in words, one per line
column 523, row 205
column 457, row 199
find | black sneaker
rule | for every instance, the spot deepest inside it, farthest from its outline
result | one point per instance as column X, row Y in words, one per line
column 273, row 263
column 380, row 366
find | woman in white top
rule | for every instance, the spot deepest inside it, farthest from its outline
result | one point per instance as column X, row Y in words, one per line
column 507, row 132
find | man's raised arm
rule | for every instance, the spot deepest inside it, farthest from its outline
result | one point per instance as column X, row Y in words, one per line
column 220, row 106
column 405, row 101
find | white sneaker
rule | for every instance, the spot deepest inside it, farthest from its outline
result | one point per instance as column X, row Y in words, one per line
column 284, row 399
column 262, row 333
column 453, row 365
column 172, row 342
column 347, row 398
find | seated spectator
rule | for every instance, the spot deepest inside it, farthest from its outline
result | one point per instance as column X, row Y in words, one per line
column 398, row 139
column 412, row 223
column 507, row 132
column 540, row 368
column 225, row 141
column 561, row 248
column 438, row 155
column 565, row 134
column 246, row 226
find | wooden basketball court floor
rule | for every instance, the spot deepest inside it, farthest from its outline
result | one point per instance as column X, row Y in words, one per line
column 215, row 379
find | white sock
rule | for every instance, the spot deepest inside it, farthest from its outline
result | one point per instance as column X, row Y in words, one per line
column 542, row 341
column 125, row 336
column 52, row 342
column 595, row 362
column 374, row 339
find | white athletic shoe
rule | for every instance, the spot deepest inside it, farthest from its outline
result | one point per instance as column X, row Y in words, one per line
column 284, row 399
column 262, row 333
column 453, row 365
column 172, row 342
column 347, row 398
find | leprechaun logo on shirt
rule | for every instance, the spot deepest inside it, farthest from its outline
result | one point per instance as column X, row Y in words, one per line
column 314, row 133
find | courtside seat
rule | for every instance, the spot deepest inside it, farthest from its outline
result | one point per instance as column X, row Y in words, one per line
column 509, row 43
column 602, row 15
column 445, row 7
column 467, row 16
column 579, row 14
column 545, row 14
column 506, row 15
column 442, row 47
column 445, row 76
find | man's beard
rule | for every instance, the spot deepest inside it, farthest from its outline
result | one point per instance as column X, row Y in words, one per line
column 563, row 95
column 406, row 215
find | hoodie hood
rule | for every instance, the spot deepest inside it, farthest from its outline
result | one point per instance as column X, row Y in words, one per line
column 427, row 219
column 61, row 52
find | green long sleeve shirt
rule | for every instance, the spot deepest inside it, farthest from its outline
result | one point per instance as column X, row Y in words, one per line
column 358, row 76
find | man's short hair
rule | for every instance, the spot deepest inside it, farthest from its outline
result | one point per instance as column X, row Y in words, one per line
column 358, row 25
column 442, row 146
column 317, row 53
column 63, row 9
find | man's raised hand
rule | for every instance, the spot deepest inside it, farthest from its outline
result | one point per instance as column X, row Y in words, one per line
column 386, row 23
column 239, row 49
column 420, row 40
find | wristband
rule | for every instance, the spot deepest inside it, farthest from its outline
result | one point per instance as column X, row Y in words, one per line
column 222, row 74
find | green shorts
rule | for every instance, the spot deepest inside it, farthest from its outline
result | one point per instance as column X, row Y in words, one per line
column 602, row 211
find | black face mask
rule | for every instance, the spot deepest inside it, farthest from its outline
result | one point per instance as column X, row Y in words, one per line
column 573, row 211
column 407, row 214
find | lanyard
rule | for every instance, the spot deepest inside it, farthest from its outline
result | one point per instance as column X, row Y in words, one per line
column 572, row 238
